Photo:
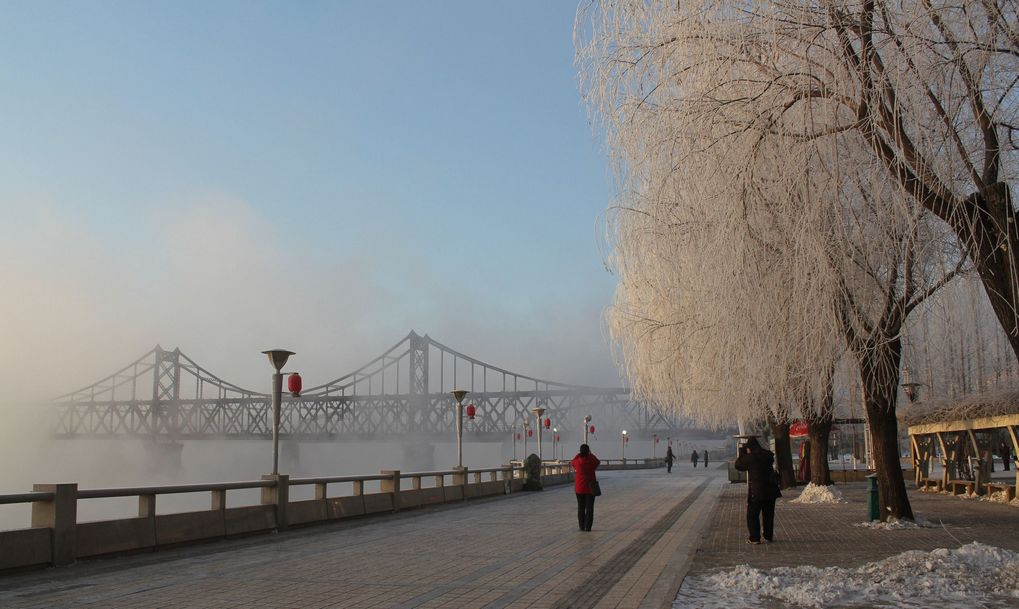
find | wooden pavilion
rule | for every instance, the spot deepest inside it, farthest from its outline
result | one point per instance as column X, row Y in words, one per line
column 963, row 436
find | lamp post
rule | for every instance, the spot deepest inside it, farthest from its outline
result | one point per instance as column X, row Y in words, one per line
column 555, row 442
column 538, row 411
column 587, row 424
column 527, row 433
column 459, row 395
column 278, row 358
column 623, row 436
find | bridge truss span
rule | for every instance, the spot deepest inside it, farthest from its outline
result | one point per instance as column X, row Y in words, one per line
column 166, row 395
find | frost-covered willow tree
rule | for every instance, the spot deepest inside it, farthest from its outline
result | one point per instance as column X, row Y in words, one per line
column 928, row 88
column 719, row 115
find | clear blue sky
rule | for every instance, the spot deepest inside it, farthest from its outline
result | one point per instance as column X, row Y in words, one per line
column 409, row 150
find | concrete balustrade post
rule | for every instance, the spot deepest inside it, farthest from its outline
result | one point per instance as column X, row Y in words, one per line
column 320, row 491
column 477, row 477
column 415, row 483
column 358, row 487
column 218, row 500
column 146, row 506
column 440, row 481
column 60, row 515
column 278, row 495
column 391, row 485
column 460, row 479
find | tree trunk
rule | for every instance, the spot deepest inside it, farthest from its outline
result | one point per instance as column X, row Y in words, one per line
column 783, row 452
column 819, row 432
column 879, row 369
column 989, row 227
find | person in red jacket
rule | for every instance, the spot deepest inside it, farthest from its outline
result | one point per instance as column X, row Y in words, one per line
column 585, row 463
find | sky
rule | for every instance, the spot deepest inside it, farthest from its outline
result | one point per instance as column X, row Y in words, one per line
column 227, row 177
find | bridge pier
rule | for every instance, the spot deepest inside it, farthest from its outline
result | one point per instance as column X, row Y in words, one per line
column 418, row 456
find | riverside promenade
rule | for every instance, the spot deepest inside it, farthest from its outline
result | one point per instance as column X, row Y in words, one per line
column 518, row 551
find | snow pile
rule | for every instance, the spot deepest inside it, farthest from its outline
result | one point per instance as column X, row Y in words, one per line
column 996, row 497
column 813, row 493
column 975, row 575
column 894, row 524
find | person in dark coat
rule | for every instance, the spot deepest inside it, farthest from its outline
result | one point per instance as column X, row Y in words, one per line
column 584, row 464
column 693, row 458
column 762, row 491
column 669, row 458
column 705, row 458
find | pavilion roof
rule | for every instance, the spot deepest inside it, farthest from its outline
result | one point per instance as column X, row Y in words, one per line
column 995, row 403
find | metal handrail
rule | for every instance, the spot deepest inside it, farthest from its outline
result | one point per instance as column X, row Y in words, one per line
column 135, row 491
column 105, row 493
column 27, row 497
column 337, row 479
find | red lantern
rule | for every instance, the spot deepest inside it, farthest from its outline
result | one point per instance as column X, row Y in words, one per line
column 518, row 436
column 548, row 423
column 471, row 411
column 656, row 440
column 294, row 385
column 626, row 440
column 557, row 438
column 530, row 432
column 799, row 428
column 592, row 429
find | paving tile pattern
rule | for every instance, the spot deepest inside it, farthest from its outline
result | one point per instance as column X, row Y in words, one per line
column 825, row 535
column 522, row 551
column 591, row 591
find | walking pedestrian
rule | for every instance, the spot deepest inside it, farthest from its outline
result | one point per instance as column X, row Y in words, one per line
column 585, row 485
column 693, row 457
column 705, row 459
column 762, row 489
column 669, row 458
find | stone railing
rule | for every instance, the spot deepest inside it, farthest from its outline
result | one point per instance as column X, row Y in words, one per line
column 57, row 538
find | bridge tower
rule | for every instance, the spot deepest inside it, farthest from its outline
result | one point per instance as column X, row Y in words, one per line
column 421, row 453
column 165, row 447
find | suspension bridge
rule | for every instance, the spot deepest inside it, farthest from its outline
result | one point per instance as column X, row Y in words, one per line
column 166, row 396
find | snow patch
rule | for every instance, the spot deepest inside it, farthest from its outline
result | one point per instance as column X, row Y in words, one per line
column 975, row 575
column 996, row 497
column 813, row 493
column 894, row 524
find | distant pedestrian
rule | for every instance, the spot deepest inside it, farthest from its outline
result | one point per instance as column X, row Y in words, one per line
column 762, row 489
column 705, row 459
column 804, row 472
column 693, row 458
column 585, row 485
column 669, row 458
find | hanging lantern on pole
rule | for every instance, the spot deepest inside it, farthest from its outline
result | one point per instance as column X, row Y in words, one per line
column 294, row 385
column 471, row 411
column 530, row 433
column 548, row 423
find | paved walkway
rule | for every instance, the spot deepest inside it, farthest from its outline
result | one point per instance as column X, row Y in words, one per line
column 825, row 535
column 522, row 551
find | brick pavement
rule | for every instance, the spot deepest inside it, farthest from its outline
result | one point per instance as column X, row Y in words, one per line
column 519, row 552
column 825, row 535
